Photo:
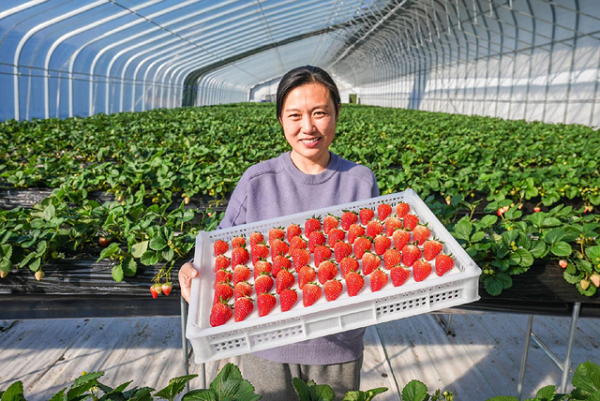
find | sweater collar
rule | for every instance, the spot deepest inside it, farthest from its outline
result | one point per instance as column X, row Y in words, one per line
column 311, row 179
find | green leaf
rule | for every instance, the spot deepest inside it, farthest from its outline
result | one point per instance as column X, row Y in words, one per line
column 551, row 222
column 488, row 220
column 414, row 391
column 5, row 265
column 504, row 279
column 49, row 212
column 321, row 392
column 158, row 243
column 35, row 265
column 554, row 236
column 229, row 371
column 301, row 389
column 589, row 292
column 234, row 389
column 573, row 278
column 60, row 396
column 168, row 254
column 493, row 285
column 462, row 229
column 109, row 251
column 14, row 392
column 201, row 395
column 587, row 377
column 142, row 394
column 129, row 267
column 82, row 384
column 41, row 247
column 538, row 250
column 117, row 273
column 593, row 253
column 139, row 249
column 176, row 386
column 550, row 198
column 525, row 256
column 561, row 249
column 477, row 236
column 546, row 393
column 149, row 258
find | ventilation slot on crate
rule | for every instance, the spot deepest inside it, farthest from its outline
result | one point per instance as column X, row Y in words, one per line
column 445, row 296
column 401, row 306
column 276, row 335
column 230, row 344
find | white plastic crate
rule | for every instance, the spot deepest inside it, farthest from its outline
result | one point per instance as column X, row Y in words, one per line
column 458, row 286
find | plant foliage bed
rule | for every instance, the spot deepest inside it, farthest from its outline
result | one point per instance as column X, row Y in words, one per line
column 147, row 182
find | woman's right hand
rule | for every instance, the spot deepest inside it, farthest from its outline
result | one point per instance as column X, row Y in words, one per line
column 186, row 274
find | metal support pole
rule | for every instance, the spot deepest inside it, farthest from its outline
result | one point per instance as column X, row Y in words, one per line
column 184, row 344
column 524, row 357
column 567, row 365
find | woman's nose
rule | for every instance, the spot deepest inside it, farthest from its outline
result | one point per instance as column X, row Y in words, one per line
column 308, row 125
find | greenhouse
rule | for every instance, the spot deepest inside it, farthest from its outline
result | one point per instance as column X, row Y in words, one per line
column 387, row 197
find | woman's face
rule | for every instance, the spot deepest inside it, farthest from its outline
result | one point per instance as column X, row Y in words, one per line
column 308, row 118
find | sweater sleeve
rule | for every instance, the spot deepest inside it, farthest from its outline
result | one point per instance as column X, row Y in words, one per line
column 375, row 188
column 235, row 214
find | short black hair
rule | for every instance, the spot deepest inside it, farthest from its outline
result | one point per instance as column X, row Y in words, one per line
column 307, row 74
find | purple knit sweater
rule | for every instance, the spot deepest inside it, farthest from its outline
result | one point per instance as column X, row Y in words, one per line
column 276, row 188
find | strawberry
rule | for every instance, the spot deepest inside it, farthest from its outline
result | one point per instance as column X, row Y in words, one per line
column 341, row 250
column 537, row 209
column 322, row 253
column 298, row 243
column 104, row 242
column 399, row 275
column 329, row 223
column 410, row 221
column 223, row 291
column 563, row 263
column 348, row 264
column 241, row 273
column 243, row 307
column 315, row 238
column 266, row 303
column 259, row 251
column 242, row 289
column 39, row 275
column 223, row 276
column 421, row 270
column 431, row 249
column 443, row 264
column 421, row 233
column 222, row 262
column 382, row 243
column 354, row 232
column 332, row 289
column 392, row 224
column 262, row 266
column 402, row 209
column 154, row 292
column 311, row 292
column 239, row 256
column 366, row 215
column 327, row 271
column 348, row 218
column 361, row 245
column 391, row 258
column 220, row 247
column 378, row 280
column 312, row 224
column 256, row 238
column 263, row 283
column 383, row 211
column 354, row 283
column 335, row 235
column 374, row 228
column 300, row 258
column 280, row 262
column 306, row 275
column 410, row 254
column 287, row 299
column 285, row 279
column 238, row 242
column 279, row 247
column 293, row 230
column 401, row 238
column 220, row 313
column 370, row 262
column 276, row 233
column 167, row 288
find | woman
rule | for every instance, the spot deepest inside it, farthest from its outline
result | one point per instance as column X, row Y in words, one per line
column 309, row 177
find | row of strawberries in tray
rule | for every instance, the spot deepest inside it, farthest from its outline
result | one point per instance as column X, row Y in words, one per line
column 278, row 273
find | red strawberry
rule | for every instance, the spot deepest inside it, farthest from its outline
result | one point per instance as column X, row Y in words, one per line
column 223, row 291
column 287, row 299
column 285, row 279
column 421, row 270
column 311, row 292
column 401, row 238
column 256, row 238
column 259, row 251
column 374, row 228
column 354, row 283
column 370, row 262
column 220, row 313
column 329, row 223
column 239, row 256
column 382, row 243
column 262, row 266
column 348, row 218
column 431, row 249
column 300, row 258
column 354, row 232
column 154, row 291
column 366, row 215
column 399, row 275
column 391, row 258
column 306, row 275
column 402, row 209
column 327, row 271
column 279, row 247
column 242, row 289
column 383, row 211
column 280, row 262
column 298, row 243
column 222, row 262
column 322, row 253
column 421, row 233
column 392, row 224
column 335, row 235
column 348, row 264
column 361, row 245
column 263, row 283
column 220, row 247
column 276, row 233
column 238, row 242
column 241, row 273
column 315, row 238
column 167, row 288
column 378, row 280
column 266, row 303
column 243, row 307
column 293, row 230
column 443, row 264
column 312, row 224
column 332, row 289
column 410, row 254
column 223, row 276
column 341, row 250
column 410, row 221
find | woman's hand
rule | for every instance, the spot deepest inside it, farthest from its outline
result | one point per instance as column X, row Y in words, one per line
column 186, row 274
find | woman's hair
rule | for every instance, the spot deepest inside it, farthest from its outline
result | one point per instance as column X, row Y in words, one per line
column 307, row 74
